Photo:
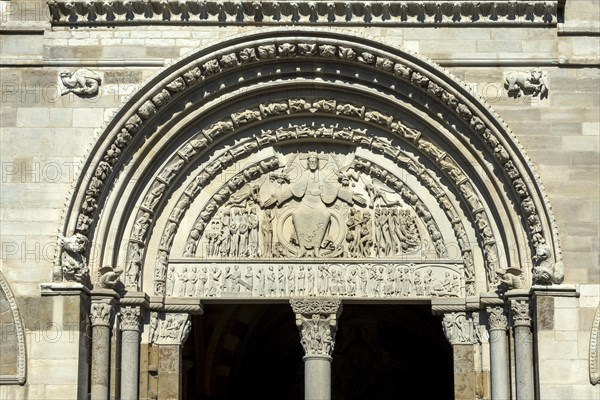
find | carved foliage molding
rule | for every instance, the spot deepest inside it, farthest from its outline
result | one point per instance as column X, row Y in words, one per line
column 544, row 271
column 267, row 12
column 595, row 349
column 13, row 368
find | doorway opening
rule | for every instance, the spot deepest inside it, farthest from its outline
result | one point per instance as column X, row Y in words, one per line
column 247, row 351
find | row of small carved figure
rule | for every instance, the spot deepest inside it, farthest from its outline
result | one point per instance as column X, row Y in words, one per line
column 308, row 11
column 236, row 233
column 310, row 280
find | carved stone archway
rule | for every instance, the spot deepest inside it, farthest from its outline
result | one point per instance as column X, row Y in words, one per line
column 244, row 169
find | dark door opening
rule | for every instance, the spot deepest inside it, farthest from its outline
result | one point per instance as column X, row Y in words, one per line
column 254, row 351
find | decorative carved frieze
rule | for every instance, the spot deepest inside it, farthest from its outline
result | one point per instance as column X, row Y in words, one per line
column 262, row 280
column 497, row 318
column 270, row 12
column 464, row 328
column 317, row 321
column 81, row 82
column 130, row 318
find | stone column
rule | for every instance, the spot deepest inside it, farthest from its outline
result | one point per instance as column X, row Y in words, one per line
column 317, row 321
column 101, row 317
column 498, row 323
column 521, row 321
column 130, row 351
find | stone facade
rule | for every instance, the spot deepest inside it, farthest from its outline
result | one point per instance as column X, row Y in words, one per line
column 135, row 136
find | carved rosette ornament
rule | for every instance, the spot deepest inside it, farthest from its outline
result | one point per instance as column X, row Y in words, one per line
column 101, row 314
column 317, row 321
column 520, row 312
column 130, row 318
column 497, row 318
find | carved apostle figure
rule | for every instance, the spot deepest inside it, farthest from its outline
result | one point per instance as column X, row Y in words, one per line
column 312, row 217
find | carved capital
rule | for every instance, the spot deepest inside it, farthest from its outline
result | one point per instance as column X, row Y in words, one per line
column 497, row 318
column 100, row 314
column 169, row 328
column 464, row 328
column 130, row 318
column 520, row 312
column 317, row 321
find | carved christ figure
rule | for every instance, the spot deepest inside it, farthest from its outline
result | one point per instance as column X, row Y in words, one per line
column 311, row 218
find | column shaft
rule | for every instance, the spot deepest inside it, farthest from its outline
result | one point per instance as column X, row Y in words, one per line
column 498, row 323
column 130, row 367
column 317, row 378
column 523, row 349
column 100, row 362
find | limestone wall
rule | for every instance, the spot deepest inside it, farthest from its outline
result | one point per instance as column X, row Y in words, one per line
column 44, row 137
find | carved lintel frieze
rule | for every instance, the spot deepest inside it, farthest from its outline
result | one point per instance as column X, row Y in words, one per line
column 130, row 318
column 520, row 311
column 317, row 321
column 497, row 318
column 464, row 328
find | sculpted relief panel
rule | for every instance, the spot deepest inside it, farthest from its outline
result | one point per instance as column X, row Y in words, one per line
column 282, row 280
column 317, row 205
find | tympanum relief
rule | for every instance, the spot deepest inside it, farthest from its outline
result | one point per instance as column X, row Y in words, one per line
column 318, row 205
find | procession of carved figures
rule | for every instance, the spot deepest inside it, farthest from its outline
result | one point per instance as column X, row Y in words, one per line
column 360, row 280
column 316, row 205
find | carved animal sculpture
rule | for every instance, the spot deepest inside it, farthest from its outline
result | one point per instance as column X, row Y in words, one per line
column 107, row 277
column 81, row 82
column 526, row 83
